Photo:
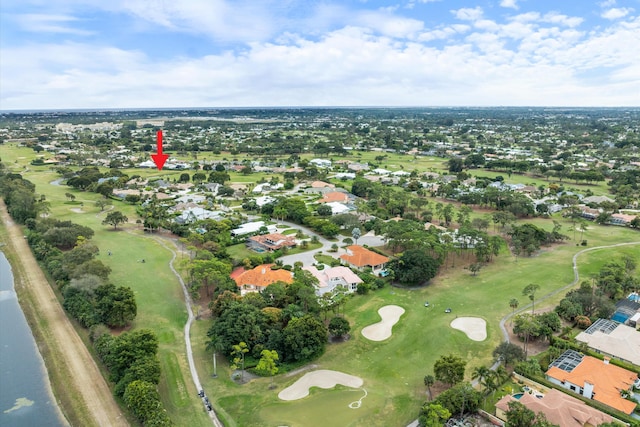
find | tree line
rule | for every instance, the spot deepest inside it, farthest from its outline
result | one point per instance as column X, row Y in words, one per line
column 65, row 250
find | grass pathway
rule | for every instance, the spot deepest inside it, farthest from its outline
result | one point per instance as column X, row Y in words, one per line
column 187, row 327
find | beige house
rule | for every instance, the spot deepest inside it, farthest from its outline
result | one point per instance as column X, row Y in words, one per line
column 559, row 408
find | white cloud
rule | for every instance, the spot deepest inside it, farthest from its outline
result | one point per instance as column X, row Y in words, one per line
column 388, row 24
column 376, row 58
column 526, row 17
column 558, row 18
column 443, row 33
column 468, row 14
column 616, row 13
column 509, row 4
column 607, row 3
column 45, row 23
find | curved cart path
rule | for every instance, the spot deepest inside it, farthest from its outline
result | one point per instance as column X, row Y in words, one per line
column 187, row 327
column 80, row 370
column 576, row 278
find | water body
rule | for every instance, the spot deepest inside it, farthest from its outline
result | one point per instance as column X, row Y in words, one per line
column 25, row 393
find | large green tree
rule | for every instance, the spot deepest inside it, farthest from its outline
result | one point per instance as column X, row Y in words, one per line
column 414, row 267
column 433, row 415
column 449, row 369
column 459, row 399
column 508, row 353
column 304, row 338
column 115, row 218
column 519, row 415
column 239, row 322
column 116, row 305
column 142, row 398
column 339, row 326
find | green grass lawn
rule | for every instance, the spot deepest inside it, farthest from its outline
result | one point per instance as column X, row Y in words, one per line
column 158, row 293
column 392, row 370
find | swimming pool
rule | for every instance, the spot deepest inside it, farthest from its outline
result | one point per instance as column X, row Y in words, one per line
column 518, row 395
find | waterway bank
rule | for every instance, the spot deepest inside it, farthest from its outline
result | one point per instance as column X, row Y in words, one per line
column 80, row 389
column 26, row 398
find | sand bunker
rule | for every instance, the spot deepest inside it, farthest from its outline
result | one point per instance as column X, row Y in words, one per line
column 322, row 378
column 76, row 210
column 380, row 331
column 474, row 327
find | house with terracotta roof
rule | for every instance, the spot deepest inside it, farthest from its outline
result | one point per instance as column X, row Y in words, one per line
column 559, row 408
column 334, row 277
column 621, row 219
column 593, row 378
column 270, row 242
column 258, row 278
column 360, row 258
column 334, row 196
column 322, row 184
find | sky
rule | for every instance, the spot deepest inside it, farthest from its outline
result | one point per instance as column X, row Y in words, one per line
column 66, row 54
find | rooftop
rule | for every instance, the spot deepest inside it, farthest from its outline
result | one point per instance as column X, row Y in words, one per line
column 607, row 379
column 262, row 276
column 616, row 339
column 362, row 257
column 559, row 408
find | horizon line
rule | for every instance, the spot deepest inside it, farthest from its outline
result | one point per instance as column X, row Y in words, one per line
column 310, row 107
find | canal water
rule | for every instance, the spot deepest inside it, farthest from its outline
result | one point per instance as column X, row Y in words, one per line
column 25, row 393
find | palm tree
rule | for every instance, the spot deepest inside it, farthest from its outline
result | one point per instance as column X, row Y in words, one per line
column 530, row 290
column 501, row 375
column 513, row 304
column 429, row 380
column 216, row 345
column 582, row 227
column 480, row 373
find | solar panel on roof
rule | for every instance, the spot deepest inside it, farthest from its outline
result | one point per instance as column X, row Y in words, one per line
column 568, row 360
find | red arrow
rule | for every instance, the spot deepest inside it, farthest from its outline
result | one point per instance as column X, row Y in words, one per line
column 159, row 159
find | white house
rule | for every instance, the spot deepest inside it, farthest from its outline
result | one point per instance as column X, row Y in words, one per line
column 191, row 215
column 331, row 278
column 338, row 208
column 264, row 200
column 321, row 163
column 251, row 227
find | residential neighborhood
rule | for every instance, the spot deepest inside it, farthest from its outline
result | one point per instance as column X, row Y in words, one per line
column 310, row 227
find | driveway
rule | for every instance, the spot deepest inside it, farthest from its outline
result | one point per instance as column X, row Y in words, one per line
column 307, row 258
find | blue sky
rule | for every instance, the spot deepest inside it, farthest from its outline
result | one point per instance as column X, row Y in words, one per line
column 57, row 54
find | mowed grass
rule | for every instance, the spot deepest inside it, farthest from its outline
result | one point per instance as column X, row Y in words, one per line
column 158, row 293
column 392, row 370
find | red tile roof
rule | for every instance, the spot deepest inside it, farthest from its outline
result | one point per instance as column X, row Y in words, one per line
column 321, row 184
column 362, row 257
column 262, row 276
column 334, row 196
column 607, row 379
column 559, row 408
